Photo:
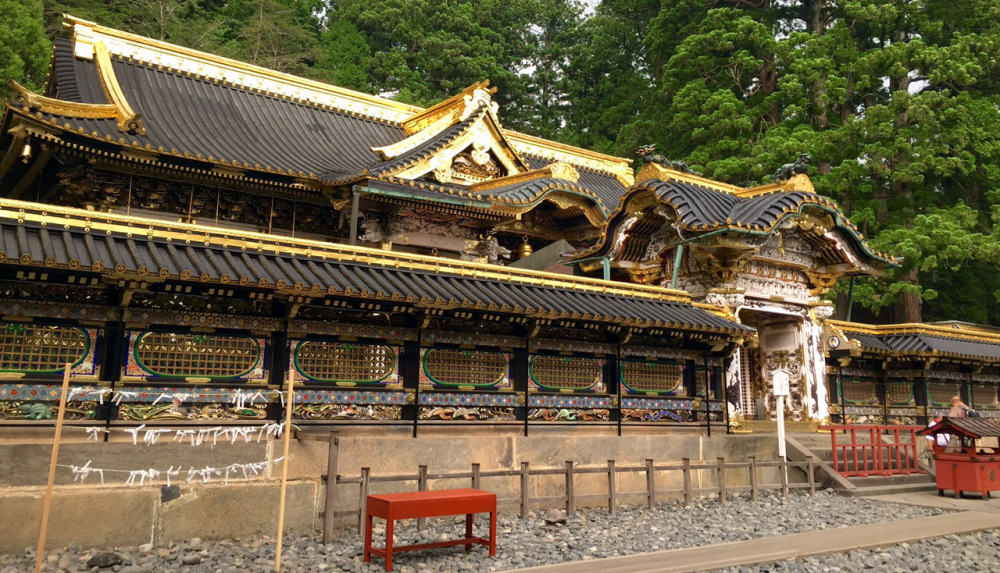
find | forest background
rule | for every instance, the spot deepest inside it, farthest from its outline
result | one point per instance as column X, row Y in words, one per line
column 896, row 101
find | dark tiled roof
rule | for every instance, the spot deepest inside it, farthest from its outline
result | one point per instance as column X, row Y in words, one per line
column 699, row 205
column 605, row 186
column 973, row 427
column 923, row 343
column 30, row 243
column 868, row 341
column 186, row 114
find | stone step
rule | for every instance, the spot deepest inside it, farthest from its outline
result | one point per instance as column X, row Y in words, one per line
column 889, row 489
column 878, row 481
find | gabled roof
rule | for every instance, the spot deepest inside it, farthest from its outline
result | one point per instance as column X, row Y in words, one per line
column 704, row 207
column 80, row 241
column 168, row 104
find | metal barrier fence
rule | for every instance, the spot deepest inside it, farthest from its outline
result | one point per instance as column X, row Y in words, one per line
column 874, row 450
column 570, row 470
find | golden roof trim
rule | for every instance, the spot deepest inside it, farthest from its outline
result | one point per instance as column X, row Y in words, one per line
column 128, row 120
column 800, row 182
column 422, row 120
column 528, row 144
column 560, row 171
column 67, row 217
column 192, row 62
column 32, row 101
column 657, row 171
column 916, row 328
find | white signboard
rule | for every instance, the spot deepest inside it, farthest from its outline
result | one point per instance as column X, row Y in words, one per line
column 779, row 381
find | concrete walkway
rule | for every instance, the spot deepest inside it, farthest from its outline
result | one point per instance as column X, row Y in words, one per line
column 798, row 545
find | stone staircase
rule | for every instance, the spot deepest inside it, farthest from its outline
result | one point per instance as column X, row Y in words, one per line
column 818, row 445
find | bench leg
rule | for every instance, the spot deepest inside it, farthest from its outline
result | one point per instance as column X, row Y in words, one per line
column 493, row 532
column 388, row 543
column 468, row 531
column 368, row 539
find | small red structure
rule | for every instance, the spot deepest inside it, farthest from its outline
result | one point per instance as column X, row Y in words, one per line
column 962, row 466
column 417, row 504
column 874, row 450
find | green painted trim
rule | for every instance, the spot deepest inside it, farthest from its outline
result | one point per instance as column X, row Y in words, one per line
column 670, row 392
column 531, row 374
column 83, row 356
column 432, row 198
column 295, row 361
column 428, row 351
column 138, row 361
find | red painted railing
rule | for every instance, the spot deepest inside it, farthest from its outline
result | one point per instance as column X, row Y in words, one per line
column 874, row 450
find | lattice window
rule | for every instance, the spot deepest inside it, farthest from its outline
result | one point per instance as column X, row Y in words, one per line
column 984, row 396
column 858, row 391
column 701, row 381
column 476, row 368
column 38, row 349
column 324, row 361
column 171, row 354
column 899, row 392
column 650, row 376
column 565, row 372
column 941, row 393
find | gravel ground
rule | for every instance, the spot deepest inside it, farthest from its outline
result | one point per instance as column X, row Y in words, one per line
column 590, row 534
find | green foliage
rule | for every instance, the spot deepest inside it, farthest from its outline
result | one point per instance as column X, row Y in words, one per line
column 24, row 49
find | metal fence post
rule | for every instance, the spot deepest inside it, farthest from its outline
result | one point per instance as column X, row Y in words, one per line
column 812, row 475
column 753, row 478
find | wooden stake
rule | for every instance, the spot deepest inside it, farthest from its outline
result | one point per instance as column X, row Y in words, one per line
column 284, row 472
column 52, row 468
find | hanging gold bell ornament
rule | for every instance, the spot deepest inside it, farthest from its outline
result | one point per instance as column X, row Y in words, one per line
column 525, row 250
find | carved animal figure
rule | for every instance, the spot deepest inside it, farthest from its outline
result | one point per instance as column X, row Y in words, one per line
column 648, row 155
column 787, row 170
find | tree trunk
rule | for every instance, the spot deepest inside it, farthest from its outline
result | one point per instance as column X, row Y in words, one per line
column 910, row 305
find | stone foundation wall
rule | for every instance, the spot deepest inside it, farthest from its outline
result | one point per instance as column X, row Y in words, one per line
column 93, row 515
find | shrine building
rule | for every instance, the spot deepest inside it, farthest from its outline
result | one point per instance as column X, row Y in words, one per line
column 191, row 234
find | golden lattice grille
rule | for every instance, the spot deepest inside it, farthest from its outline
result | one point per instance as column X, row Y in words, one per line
column 175, row 354
column 643, row 376
column 41, row 349
column 340, row 362
column 984, row 396
column 465, row 367
column 565, row 372
column 941, row 393
column 899, row 391
column 858, row 391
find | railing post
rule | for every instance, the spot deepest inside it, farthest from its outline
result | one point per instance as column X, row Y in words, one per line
column 722, row 480
column 612, row 494
column 364, row 500
column 570, row 494
column 812, row 475
column 421, row 486
column 783, row 470
column 687, row 481
column 476, row 478
column 525, row 474
column 836, row 454
column 650, row 484
column 331, row 487
column 753, row 478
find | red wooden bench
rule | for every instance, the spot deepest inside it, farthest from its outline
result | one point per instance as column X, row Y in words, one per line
column 417, row 504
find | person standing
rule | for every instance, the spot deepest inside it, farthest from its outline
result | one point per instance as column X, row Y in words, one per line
column 958, row 408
